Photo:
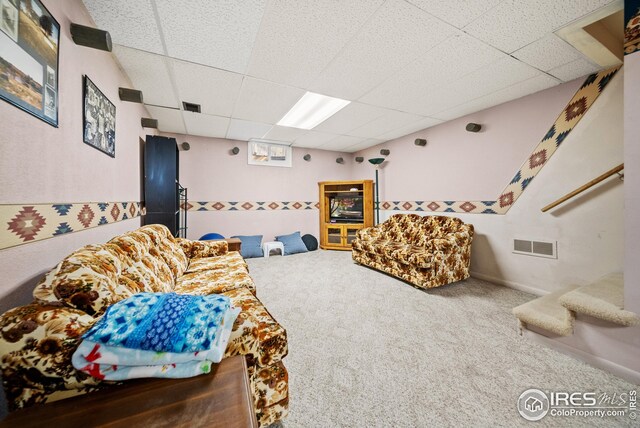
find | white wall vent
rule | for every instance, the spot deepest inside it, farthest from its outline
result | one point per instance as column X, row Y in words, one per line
column 536, row 248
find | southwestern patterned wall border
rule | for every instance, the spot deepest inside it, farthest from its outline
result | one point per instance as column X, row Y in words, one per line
column 33, row 222
column 251, row 206
column 564, row 124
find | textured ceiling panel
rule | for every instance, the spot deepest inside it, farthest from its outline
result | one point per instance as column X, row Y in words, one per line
column 206, row 125
column 364, row 145
column 220, row 34
column 391, row 120
column 427, row 122
column 341, row 143
column 547, row 53
column 215, row 90
column 265, row 102
column 515, row 23
column 457, row 13
column 169, row 120
column 297, row 39
column 494, row 77
column 244, row 130
column 149, row 74
column 351, row 117
column 313, row 139
column 574, row 69
column 513, row 92
column 130, row 23
column 412, row 88
column 284, row 133
column 396, row 35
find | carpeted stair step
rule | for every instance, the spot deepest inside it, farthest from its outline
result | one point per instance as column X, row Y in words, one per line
column 547, row 313
column 603, row 299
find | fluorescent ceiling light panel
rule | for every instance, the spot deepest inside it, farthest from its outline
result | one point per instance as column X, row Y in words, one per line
column 311, row 110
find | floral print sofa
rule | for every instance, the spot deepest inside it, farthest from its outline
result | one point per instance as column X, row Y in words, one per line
column 427, row 251
column 38, row 340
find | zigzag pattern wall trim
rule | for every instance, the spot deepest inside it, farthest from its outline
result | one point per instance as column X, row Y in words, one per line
column 251, row 206
column 26, row 223
column 564, row 124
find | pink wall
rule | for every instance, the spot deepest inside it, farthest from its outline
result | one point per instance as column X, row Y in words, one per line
column 42, row 164
column 211, row 174
column 632, row 180
column 458, row 165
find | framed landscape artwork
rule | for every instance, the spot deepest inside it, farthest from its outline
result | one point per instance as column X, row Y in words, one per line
column 264, row 152
column 29, row 46
column 99, row 119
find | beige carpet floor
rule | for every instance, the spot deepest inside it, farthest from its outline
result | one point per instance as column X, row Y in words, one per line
column 367, row 350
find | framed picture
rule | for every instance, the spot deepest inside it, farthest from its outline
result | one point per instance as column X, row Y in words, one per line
column 99, row 119
column 29, row 46
column 268, row 153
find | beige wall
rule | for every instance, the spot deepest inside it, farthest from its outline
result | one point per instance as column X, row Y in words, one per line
column 632, row 180
column 43, row 164
column 210, row 173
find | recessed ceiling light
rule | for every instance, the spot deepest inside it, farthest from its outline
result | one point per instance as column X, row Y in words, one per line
column 311, row 110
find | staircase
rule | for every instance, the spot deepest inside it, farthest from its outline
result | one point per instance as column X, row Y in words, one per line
column 589, row 323
column 556, row 312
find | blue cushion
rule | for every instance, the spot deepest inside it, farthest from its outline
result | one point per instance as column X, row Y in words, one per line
column 292, row 243
column 210, row 236
column 251, row 245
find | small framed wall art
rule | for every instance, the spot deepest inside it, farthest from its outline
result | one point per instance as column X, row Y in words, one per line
column 29, row 46
column 99, row 119
column 268, row 153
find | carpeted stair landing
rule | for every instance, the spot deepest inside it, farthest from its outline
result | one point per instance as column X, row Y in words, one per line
column 556, row 312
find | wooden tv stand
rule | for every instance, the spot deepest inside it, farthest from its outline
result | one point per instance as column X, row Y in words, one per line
column 339, row 235
column 221, row 398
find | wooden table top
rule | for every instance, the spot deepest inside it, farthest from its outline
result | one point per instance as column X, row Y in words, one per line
column 221, row 398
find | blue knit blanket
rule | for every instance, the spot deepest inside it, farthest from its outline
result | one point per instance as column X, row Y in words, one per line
column 157, row 335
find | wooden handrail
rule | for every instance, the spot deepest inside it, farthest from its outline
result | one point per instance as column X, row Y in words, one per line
column 584, row 187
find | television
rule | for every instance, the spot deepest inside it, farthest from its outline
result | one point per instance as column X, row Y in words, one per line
column 346, row 208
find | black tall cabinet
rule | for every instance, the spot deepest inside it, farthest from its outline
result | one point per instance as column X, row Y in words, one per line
column 163, row 195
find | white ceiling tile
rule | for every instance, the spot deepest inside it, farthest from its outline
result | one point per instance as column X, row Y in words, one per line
column 284, row 133
column 245, row 130
column 514, row 23
column 265, row 102
column 313, row 139
column 297, row 39
column 220, row 34
column 351, row 117
column 412, row 88
column 148, row 73
column 130, row 23
column 169, row 120
column 205, row 125
column 547, row 53
column 521, row 89
column 395, row 35
column 486, row 80
column 215, row 90
column 457, row 13
column 363, row 145
column 574, row 69
column 388, row 122
column 419, row 125
column 341, row 143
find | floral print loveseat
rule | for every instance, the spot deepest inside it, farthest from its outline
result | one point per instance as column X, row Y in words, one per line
column 38, row 340
column 427, row 251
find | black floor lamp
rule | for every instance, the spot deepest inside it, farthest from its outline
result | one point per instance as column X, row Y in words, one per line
column 377, row 162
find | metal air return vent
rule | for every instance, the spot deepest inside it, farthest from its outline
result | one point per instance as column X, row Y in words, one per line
column 195, row 108
column 536, row 248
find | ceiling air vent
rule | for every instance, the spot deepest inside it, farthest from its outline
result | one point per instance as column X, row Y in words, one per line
column 535, row 248
column 195, row 108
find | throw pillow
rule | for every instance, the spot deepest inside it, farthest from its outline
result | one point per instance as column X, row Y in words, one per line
column 251, row 245
column 292, row 243
column 310, row 242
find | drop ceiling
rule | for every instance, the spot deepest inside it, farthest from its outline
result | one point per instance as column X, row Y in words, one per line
column 405, row 65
